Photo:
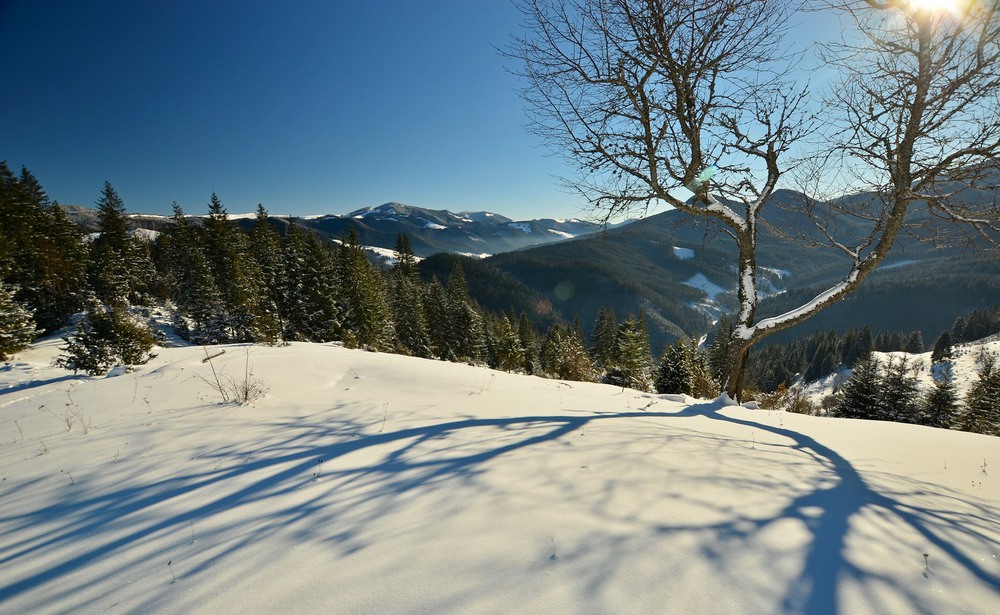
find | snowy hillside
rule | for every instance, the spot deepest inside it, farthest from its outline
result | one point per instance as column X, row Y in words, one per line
column 965, row 367
column 376, row 483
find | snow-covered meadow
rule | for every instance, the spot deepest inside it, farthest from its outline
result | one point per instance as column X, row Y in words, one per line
column 375, row 483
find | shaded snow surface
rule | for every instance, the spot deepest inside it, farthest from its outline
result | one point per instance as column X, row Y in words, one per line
column 374, row 483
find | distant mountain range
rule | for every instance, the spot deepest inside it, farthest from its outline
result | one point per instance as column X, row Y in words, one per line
column 680, row 273
column 430, row 231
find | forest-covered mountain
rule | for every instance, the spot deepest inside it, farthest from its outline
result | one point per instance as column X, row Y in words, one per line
column 679, row 273
column 682, row 275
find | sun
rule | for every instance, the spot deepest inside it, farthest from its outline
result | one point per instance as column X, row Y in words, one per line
column 936, row 6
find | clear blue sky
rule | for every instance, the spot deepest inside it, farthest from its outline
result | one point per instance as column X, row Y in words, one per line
column 308, row 107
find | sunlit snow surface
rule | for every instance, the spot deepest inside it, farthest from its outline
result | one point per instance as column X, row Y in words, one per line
column 374, row 483
column 701, row 282
column 683, row 253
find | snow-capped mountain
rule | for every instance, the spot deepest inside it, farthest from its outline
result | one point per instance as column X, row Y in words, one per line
column 431, row 231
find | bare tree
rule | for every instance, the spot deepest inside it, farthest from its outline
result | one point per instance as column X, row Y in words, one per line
column 648, row 96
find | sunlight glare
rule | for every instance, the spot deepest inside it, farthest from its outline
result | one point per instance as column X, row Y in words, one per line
column 936, row 6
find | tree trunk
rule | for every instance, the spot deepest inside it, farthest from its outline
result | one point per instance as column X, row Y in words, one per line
column 732, row 383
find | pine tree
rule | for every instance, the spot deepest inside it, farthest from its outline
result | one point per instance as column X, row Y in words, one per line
column 17, row 327
column 526, row 335
column 825, row 359
column 508, row 354
column 367, row 314
column 564, row 355
column 198, row 301
column 310, row 288
column 435, row 301
column 977, row 327
column 120, row 267
column 227, row 252
column 42, row 254
column 703, row 385
column 861, row 395
column 265, row 249
column 941, row 405
column 982, row 401
column 105, row 337
column 942, row 348
column 467, row 336
column 634, row 362
column 866, row 344
column 673, row 376
column 900, row 392
column 914, row 343
column 605, row 338
column 412, row 337
column 406, row 262
column 958, row 329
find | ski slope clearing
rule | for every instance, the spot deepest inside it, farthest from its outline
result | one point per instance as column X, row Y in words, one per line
column 375, row 483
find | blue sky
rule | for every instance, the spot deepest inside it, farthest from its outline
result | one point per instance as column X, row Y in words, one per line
column 308, row 107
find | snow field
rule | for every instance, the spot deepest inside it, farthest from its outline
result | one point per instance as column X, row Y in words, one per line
column 375, row 483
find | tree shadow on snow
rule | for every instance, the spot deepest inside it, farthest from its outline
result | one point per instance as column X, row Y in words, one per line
column 331, row 481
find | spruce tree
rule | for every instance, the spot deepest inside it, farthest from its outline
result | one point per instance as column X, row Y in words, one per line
column 362, row 293
column 105, row 337
column 198, row 301
column 42, row 254
column 435, row 302
column 942, row 351
column 412, row 337
column 322, row 317
column 866, row 344
column 900, row 393
column 564, row 355
column 849, row 346
column 703, row 385
column 527, row 337
column 914, row 343
column 883, row 342
column 977, row 327
column 310, row 288
column 17, row 327
column 120, row 267
column 825, row 359
column 941, row 405
column 982, row 401
column 406, row 262
column 861, row 395
column 605, row 338
column 634, row 364
column 235, row 273
column 673, row 376
column 265, row 249
column 508, row 354
column 958, row 329
column 465, row 324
